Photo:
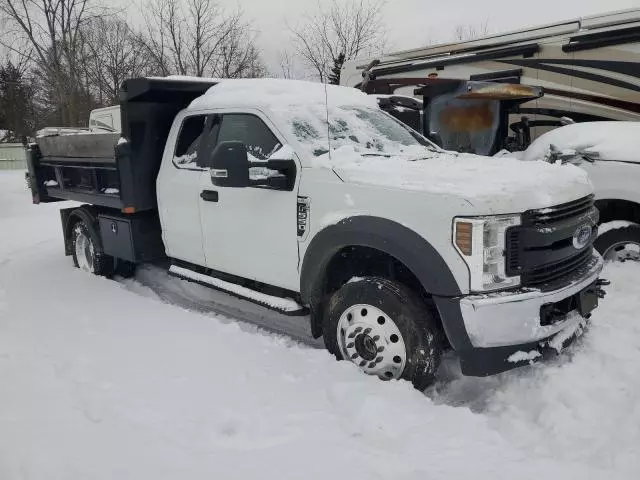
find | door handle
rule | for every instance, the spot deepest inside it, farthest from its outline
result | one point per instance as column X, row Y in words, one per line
column 209, row 195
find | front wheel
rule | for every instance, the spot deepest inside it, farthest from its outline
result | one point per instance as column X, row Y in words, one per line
column 385, row 329
column 620, row 244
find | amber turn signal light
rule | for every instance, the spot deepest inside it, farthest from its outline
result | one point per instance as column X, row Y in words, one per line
column 464, row 234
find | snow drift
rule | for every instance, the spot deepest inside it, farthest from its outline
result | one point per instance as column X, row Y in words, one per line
column 99, row 382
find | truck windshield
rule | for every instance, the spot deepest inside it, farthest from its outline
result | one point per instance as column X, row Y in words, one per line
column 368, row 130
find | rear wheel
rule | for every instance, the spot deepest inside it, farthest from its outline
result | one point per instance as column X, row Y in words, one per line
column 385, row 329
column 86, row 251
column 620, row 244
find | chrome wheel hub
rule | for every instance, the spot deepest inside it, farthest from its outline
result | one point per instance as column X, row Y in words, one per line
column 84, row 250
column 369, row 338
column 623, row 251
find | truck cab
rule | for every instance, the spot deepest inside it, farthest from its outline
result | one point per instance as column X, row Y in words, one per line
column 308, row 198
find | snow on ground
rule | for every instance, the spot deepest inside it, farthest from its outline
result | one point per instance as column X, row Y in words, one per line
column 101, row 379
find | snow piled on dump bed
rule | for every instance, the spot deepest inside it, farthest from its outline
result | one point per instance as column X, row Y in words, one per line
column 98, row 382
column 611, row 140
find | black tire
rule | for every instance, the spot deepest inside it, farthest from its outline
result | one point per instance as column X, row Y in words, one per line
column 416, row 322
column 630, row 234
column 101, row 264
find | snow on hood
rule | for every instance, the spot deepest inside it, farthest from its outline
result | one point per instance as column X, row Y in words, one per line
column 492, row 185
column 611, row 140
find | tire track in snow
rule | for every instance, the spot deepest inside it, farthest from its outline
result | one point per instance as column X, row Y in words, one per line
column 155, row 282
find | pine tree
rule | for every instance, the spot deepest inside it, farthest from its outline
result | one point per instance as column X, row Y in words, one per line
column 334, row 76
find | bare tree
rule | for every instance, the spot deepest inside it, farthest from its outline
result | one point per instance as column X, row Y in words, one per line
column 470, row 32
column 199, row 38
column 339, row 31
column 285, row 59
column 17, row 116
column 111, row 55
column 52, row 29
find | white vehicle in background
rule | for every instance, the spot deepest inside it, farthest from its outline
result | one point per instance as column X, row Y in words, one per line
column 101, row 120
column 610, row 153
column 105, row 119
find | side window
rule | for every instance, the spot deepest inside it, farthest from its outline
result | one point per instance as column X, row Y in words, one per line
column 261, row 143
column 191, row 132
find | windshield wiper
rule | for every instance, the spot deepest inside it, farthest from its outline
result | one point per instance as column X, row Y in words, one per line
column 389, row 155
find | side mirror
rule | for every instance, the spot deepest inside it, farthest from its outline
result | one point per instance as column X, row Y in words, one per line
column 229, row 165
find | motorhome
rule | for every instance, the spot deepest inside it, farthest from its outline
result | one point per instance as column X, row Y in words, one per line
column 588, row 67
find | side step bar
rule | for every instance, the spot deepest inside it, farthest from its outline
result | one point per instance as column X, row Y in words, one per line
column 285, row 306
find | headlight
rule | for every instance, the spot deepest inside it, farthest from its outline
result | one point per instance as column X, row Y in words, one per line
column 481, row 241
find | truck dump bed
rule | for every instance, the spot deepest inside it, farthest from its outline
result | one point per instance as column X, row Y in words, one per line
column 107, row 169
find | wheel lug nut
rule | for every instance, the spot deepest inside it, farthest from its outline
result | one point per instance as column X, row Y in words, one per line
column 363, row 363
column 375, row 338
column 367, row 331
column 358, row 330
column 379, row 359
column 352, row 334
column 354, row 356
column 380, row 348
column 372, row 364
column 350, row 345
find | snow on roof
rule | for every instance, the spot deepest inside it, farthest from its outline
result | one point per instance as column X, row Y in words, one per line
column 611, row 140
column 278, row 93
column 188, row 78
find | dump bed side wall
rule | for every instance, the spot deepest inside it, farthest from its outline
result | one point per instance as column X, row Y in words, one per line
column 90, row 147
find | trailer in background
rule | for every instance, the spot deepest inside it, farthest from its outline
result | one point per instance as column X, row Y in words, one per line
column 589, row 68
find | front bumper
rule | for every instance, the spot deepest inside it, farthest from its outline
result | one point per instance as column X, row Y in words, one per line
column 504, row 330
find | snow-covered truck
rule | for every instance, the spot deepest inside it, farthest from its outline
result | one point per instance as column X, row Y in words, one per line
column 610, row 153
column 309, row 199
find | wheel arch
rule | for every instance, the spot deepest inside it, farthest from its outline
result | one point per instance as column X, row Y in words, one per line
column 71, row 216
column 617, row 209
column 421, row 260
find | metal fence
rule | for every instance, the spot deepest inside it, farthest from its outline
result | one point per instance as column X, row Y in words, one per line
column 13, row 156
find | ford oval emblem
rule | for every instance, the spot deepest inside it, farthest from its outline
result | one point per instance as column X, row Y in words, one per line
column 581, row 236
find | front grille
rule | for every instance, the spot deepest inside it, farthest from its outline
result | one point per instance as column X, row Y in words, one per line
column 551, row 273
column 541, row 250
column 559, row 213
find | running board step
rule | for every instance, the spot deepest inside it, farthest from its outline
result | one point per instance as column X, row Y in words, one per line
column 285, row 306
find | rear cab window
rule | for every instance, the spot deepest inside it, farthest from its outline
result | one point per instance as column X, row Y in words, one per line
column 191, row 131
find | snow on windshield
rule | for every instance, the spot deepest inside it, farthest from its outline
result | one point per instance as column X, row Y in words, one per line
column 367, row 130
column 353, row 118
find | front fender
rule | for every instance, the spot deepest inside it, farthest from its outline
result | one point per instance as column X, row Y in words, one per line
column 392, row 238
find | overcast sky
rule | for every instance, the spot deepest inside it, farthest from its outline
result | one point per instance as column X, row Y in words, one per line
column 414, row 23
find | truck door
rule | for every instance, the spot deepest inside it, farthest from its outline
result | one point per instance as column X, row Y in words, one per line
column 250, row 232
column 178, row 190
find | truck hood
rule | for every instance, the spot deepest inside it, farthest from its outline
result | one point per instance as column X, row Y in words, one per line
column 491, row 185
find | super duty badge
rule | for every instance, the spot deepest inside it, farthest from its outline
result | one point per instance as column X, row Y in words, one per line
column 303, row 215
